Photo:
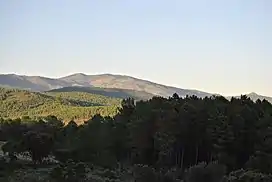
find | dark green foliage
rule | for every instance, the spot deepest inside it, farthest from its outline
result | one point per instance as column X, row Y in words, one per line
column 162, row 139
column 260, row 162
column 69, row 172
column 203, row 172
column 39, row 145
column 13, row 148
column 144, row 174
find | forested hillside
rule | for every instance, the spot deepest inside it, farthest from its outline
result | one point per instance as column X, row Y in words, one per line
column 160, row 140
column 108, row 92
column 16, row 103
column 86, row 99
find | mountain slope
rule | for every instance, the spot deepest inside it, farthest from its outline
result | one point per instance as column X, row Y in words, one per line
column 109, row 92
column 131, row 83
column 85, row 98
column 37, row 83
column 34, row 83
column 126, row 84
column 17, row 103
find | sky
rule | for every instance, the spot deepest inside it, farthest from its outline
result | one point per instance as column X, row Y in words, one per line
column 218, row 46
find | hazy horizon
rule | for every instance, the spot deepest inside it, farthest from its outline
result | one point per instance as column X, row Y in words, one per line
column 216, row 47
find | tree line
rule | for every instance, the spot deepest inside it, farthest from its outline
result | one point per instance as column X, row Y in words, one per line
column 188, row 139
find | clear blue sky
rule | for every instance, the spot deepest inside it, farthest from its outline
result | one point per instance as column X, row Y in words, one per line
column 219, row 46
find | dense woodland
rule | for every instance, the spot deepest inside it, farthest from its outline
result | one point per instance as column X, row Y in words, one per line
column 78, row 106
column 162, row 139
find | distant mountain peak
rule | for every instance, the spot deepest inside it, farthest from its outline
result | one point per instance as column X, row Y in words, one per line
column 78, row 74
column 253, row 93
column 12, row 75
column 75, row 76
column 103, row 80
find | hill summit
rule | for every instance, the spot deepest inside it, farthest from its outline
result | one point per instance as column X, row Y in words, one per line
column 124, row 83
column 37, row 83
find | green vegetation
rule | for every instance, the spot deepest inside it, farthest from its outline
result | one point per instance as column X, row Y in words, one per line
column 87, row 98
column 160, row 140
column 109, row 92
column 16, row 103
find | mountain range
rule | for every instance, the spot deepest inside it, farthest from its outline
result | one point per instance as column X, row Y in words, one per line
column 120, row 85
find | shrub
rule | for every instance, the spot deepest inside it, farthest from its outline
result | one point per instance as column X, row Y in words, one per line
column 202, row 172
column 143, row 173
column 70, row 172
column 247, row 176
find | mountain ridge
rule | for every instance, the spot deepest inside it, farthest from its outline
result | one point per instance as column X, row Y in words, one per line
column 38, row 83
column 105, row 80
